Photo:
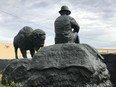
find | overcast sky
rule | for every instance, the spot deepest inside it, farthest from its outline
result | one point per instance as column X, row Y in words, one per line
column 96, row 18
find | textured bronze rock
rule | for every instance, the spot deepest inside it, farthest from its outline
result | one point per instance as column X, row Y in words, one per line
column 3, row 64
column 68, row 65
column 28, row 39
column 110, row 60
column 15, row 71
column 63, row 27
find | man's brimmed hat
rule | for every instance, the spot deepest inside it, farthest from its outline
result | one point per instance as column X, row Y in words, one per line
column 65, row 8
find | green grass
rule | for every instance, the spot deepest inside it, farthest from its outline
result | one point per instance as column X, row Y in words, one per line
column 11, row 85
column 0, row 81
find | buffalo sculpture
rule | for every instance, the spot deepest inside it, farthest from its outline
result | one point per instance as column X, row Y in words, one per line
column 28, row 39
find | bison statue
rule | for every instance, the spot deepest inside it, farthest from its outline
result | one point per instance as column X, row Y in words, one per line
column 28, row 39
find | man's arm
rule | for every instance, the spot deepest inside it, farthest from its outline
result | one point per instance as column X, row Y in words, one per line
column 75, row 25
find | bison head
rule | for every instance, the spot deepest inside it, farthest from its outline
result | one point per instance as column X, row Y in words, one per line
column 38, row 38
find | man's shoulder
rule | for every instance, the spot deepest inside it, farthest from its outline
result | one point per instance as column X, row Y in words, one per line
column 71, row 17
column 58, row 18
column 64, row 17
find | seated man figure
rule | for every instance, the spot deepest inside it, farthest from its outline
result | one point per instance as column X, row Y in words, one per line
column 66, row 28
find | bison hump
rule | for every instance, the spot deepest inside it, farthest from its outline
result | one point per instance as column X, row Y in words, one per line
column 26, row 31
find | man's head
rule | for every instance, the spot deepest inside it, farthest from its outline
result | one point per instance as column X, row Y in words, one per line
column 65, row 10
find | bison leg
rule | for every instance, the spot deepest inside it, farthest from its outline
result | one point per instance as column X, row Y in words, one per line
column 16, row 56
column 32, row 51
column 24, row 54
column 77, row 39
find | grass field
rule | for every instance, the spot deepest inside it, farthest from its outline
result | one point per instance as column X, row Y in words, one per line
column 0, row 82
column 12, row 84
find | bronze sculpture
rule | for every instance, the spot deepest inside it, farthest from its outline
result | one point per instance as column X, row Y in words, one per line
column 58, row 65
column 63, row 27
column 28, row 39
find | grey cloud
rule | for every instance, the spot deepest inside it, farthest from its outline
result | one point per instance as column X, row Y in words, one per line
column 93, row 4
column 99, row 14
column 105, row 8
column 40, row 4
column 34, row 4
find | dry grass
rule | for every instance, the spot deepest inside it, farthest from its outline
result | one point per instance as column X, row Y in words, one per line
column 12, row 84
column 0, row 82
